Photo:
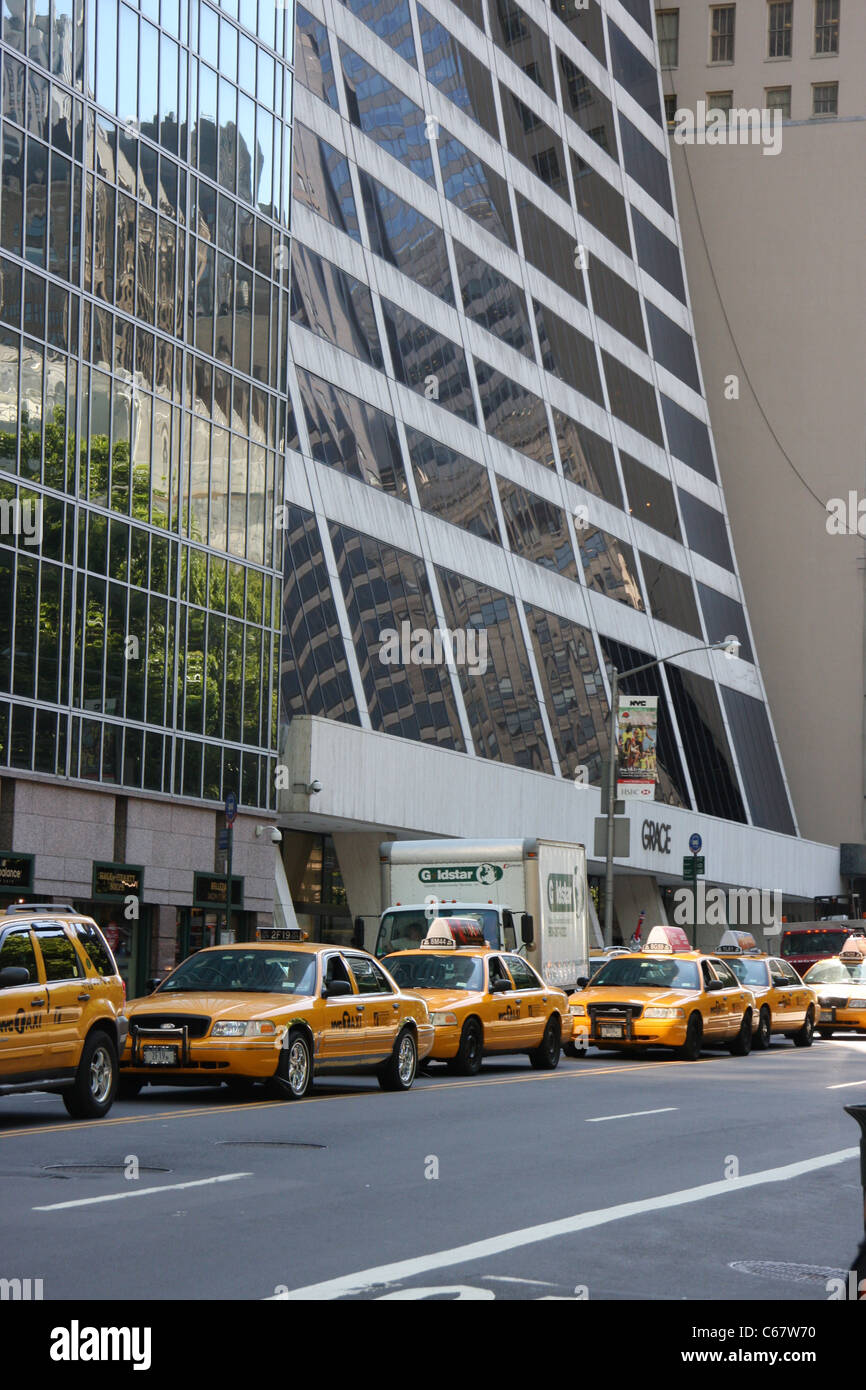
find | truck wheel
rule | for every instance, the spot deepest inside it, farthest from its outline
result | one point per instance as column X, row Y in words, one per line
column 91, row 1095
column 294, row 1074
column 470, row 1052
column 761, row 1040
column 546, row 1056
column 803, row 1037
column 691, row 1048
column 398, row 1073
column 572, row 1050
column 128, row 1088
column 825, row 1033
column 742, row 1044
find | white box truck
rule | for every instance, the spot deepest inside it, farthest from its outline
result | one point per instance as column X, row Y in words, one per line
column 527, row 895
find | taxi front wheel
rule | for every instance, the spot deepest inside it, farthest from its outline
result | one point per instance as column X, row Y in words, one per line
column 469, row 1054
column 294, row 1075
column 803, row 1036
column 691, row 1048
column 398, row 1073
column 92, row 1093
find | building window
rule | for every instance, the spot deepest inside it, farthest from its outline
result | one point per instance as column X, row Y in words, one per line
column 825, row 98
column 719, row 101
column 668, row 27
column 826, row 26
column 722, row 33
column 779, row 36
column 671, row 108
column 779, row 99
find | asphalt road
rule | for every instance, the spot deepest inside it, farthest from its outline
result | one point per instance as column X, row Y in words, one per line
column 611, row 1178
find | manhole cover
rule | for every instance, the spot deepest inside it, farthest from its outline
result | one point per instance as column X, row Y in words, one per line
column 794, row 1274
column 80, row 1170
column 267, row 1144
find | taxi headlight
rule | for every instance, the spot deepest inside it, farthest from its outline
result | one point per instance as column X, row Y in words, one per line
column 242, row 1028
column 578, row 1010
column 657, row 1011
column 443, row 1020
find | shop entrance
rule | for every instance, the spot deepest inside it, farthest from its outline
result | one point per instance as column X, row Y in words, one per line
column 129, row 940
column 203, row 926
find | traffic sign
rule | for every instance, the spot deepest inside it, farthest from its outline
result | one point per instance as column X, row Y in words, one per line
column 695, row 843
column 231, row 807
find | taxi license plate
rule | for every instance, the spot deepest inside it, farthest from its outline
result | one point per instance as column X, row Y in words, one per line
column 159, row 1056
column 827, row 1015
column 611, row 1030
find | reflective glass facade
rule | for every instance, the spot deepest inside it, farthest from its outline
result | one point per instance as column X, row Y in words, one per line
column 144, row 299
column 501, row 421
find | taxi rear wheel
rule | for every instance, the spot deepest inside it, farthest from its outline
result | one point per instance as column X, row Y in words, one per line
column 803, row 1037
column 762, row 1037
column 398, row 1073
column 294, row 1075
column 742, row 1043
column 546, row 1056
column 92, row 1093
column 691, row 1048
column 470, row 1052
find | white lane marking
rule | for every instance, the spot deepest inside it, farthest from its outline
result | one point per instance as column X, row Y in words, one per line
column 840, row 1085
column 365, row 1279
column 142, row 1192
column 630, row 1114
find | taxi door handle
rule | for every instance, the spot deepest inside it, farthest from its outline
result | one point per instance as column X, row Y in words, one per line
column 36, row 1003
column 83, row 998
column 360, row 1008
column 395, row 1004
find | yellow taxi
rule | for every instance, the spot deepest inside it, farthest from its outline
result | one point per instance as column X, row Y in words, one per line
column 785, row 1004
column 841, row 987
column 275, row 1012
column 481, row 1001
column 666, row 995
column 61, row 1008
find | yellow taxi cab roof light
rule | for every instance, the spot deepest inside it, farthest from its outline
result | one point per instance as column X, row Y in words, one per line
column 854, row 949
column 738, row 943
column 449, row 933
column 665, row 940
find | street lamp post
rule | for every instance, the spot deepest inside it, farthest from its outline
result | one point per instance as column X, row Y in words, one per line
column 730, row 646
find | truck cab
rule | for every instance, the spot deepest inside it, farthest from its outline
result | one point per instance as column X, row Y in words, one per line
column 405, row 925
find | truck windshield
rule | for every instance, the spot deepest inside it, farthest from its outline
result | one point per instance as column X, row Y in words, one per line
column 437, row 971
column 405, row 928
column 638, row 971
column 814, row 942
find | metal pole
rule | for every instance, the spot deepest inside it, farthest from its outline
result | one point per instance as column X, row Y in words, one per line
column 611, row 809
column 229, row 839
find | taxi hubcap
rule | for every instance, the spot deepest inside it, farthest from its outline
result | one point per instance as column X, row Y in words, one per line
column 406, row 1060
column 100, row 1075
column 298, row 1065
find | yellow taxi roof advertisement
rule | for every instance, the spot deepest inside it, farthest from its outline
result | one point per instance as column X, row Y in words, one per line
column 666, row 940
column 737, row 943
column 447, row 933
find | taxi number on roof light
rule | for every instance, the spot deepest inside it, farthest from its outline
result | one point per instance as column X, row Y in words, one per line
column 667, row 940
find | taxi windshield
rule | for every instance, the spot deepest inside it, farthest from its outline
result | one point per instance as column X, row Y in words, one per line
column 836, row 972
column 643, row 972
column 437, row 972
column 748, row 972
column 245, row 972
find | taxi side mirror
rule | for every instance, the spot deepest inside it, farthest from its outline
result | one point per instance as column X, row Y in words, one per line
column 582, row 981
column 713, row 986
column 331, row 989
column 780, row 981
column 14, row 975
column 499, row 986
column 153, row 984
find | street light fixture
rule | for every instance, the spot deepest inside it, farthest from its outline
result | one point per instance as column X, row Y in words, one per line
column 731, row 647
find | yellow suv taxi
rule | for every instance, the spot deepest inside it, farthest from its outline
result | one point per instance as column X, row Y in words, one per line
column 62, row 1024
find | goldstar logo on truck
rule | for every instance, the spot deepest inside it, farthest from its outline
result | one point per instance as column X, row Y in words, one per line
column 465, row 873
